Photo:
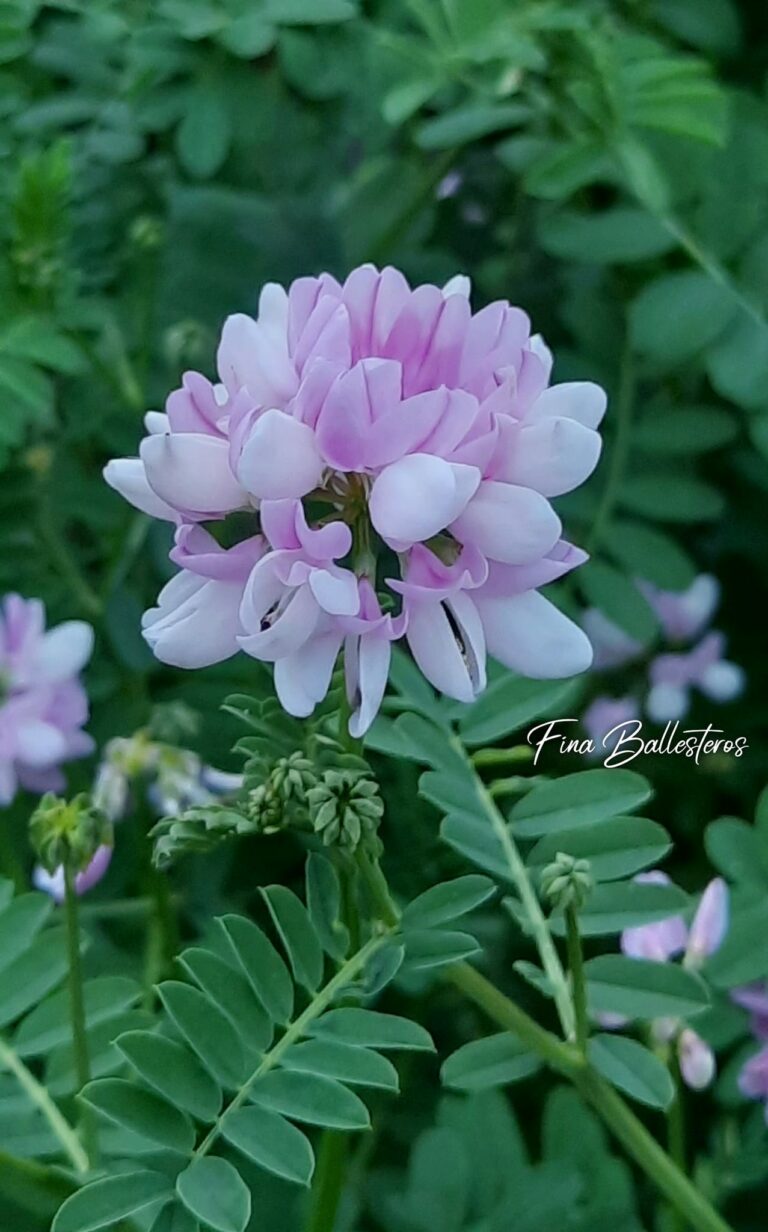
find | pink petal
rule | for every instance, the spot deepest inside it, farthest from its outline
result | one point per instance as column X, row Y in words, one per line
column 419, row 496
column 128, row 477
column 553, row 456
column 279, row 459
column 508, row 523
column 582, row 401
column 710, row 923
column 191, row 471
column 530, row 635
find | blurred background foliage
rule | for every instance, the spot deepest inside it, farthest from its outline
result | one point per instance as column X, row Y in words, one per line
column 603, row 163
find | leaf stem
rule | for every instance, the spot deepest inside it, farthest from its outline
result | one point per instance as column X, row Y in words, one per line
column 578, row 982
column 328, row 1182
column 620, row 451
column 39, row 1096
column 77, row 1005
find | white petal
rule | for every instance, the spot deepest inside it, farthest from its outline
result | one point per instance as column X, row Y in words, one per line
column 302, row 680
column 508, row 523
column 367, row 680
column 336, row 591
column 666, row 702
column 437, row 652
column 157, row 422
column 191, row 471
column 64, row 651
column 195, row 623
column 39, row 743
column 418, row 496
column 553, row 456
column 253, row 355
column 294, row 624
column 128, row 477
column 580, row 400
column 723, row 681
column 460, row 284
column 280, row 458
column 530, row 635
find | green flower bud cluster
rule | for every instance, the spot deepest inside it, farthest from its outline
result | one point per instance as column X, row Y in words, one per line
column 278, row 800
column 345, row 807
column 68, row 832
column 567, row 881
column 197, row 831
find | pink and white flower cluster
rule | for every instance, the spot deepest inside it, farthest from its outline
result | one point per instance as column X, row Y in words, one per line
column 391, row 443
column 690, row 664
column 753, row 1078
column 43, row 705
column 674, row 938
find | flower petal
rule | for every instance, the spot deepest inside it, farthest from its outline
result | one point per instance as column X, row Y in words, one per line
column 582, row 401
column 553, row 456
column 418, row 496
column 191, row 471
column 64, row 651
column 508, row 523
column 530, row 635
column 195, row 622
column 279, row 459
column 129, row 477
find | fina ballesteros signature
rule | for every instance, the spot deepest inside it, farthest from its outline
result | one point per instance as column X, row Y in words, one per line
column 627, row 740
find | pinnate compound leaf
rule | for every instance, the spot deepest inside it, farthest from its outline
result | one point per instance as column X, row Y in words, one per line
column 323, row 893
column 213, row 1191
column 613, row 907
column 271, row 1142
column 20, row 923
column 103, row 1203
column 228, row 988
column 615, row 848
column 490, row 1062
column 371, row 1029
column 626, row 1064
column 172, row 1071
column 49, row 1026
column 348, row 1063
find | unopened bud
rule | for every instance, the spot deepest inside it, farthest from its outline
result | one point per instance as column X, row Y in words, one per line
column 68, row 832
column 567, row 881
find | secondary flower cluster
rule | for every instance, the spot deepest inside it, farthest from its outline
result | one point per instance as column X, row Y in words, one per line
column 400, row 453
column 753, row 1079
column 684, row 617
column 674, row 938
column 43, row 705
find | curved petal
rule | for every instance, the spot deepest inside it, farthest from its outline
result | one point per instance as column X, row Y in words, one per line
column 39, row 743
column 336, row 591
column 530, row 635
column 192, row 471
column 64, row 651
column 553, row 456
column 292, row 624
column 709, row 924
column 419, row 496
column 582, row 401
column 279, row 460
column 508, row 523
column 129, row 477
column 667, row 702
column 195, row 622
column 303, row 679
column 696, row 1058
column 453, row 664
column 366, row 668
column 254, row 355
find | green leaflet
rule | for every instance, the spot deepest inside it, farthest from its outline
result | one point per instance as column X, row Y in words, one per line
column 490, row 1062
column 633, row 1069
column 212, row 1190
column 173, row 1072
column 271, row 1142
column 102, row 1203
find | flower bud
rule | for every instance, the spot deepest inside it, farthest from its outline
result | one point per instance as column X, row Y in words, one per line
column 345, row 807
column 696, row 1059
column 68, row 833
column 567, row 882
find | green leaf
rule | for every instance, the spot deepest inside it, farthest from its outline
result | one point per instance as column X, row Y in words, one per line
column 20, row 923
column 637, row 988
column 323, row 893
column 49, row 1025
column 470, row 123
column 565, row 167
column 734, row 848
column 126, row 1104
column 44, row 343
column 311, row 1098
column 613, row 236
column 633, row 1069
column 204, row 135
column 371, row 1029
column 175, row 1219
column 25, row 981
column 173, row 1072
column 308, row 12
column 685, row 431
column 448, row 901
column 615, row 848
column 737, row 365
column 509, row 704
column 491, row 1062
column 297, row 935
column 268, row 974
column 213, row 1192
column 678, row 314
column 427, row 948
column 743, row 956
column 228, row 988
column 348, row 1063
column 207, row 1031
column 669, row 497
column 650, row 554
column 617, row 596
column 472, row 836
column 24, row 390
column 271, row 1142
column 103, row 1203
column 450, row 792
column 426, row 742
column 613, row 907
column 578, row 800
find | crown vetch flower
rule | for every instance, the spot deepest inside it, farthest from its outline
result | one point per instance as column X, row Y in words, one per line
column 43, row 706
column 396, row 449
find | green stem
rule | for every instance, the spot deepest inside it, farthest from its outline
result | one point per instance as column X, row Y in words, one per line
column 60, row 1127
column 619, row 452
column 294, row 1032
column 501, row 757
column 77, row 1004
column 676, row 1137
column 64, row 562
column 379, row 890
column 578, row 982
column 381, row 249
column 328, row 1182
column 537, row 921
column 711, row 266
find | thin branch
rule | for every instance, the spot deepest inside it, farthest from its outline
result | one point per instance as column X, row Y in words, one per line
column 60, row 1127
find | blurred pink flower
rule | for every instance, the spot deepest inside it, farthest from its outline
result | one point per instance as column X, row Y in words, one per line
column 753, row 1079
column 43, row 706
column 673, row 676
column 669, row 938
column 53, row 883
column 398, row 418
column 602, row 716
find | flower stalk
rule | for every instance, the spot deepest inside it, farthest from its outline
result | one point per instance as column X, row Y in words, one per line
column 77, row 1006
